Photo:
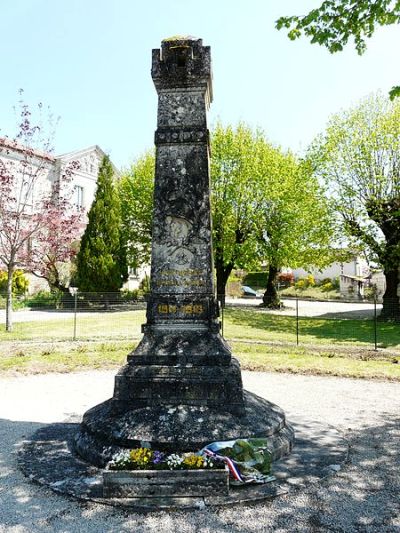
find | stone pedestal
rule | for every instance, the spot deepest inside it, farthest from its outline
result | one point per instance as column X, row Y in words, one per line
column 181, row 388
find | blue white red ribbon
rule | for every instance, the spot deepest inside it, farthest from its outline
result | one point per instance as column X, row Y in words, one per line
column 233, row 469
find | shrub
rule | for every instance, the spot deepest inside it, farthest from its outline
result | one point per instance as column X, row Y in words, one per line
column 130, row 296
column 286, row 279
column 371, row 292
column 325, row 281
column 144, row 285
column 336, row 284
column 45, row 299
column 305, row 283
column 20, row 283
column 301, row 284
column 310, row 280
column 327, row 287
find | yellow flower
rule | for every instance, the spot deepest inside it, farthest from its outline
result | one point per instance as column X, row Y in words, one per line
column 192, row 461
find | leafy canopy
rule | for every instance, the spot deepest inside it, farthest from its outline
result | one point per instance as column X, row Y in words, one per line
column 135, row 190
column 336, row 21
column 267, row 205
column 359, row 158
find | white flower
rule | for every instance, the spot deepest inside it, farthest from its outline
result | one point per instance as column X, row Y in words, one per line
column 174, row 460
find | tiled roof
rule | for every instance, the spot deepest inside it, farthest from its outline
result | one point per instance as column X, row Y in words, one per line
column 11, row 144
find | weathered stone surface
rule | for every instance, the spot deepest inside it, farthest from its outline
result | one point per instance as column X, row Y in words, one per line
column 105, row 432
column 47, row 458
column 164, row 483
column 181, row 388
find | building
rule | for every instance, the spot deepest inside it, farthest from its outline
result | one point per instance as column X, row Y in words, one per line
column 354, row 276
column 49, row 169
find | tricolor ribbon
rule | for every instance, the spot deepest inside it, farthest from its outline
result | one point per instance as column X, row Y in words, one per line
column 232, row 467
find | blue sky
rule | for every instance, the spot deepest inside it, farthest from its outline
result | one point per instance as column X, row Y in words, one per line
column 90, row 61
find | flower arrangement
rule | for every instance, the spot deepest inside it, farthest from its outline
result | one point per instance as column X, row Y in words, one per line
column 147, row 459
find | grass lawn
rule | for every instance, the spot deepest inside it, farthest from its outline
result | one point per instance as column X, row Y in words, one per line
column 252, row 324
column 260, row 340
column 89, row 326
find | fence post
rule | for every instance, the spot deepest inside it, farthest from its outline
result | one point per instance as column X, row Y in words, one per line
column 297, row 320
column 75, row 310
column 375, row 326
column 221, row 300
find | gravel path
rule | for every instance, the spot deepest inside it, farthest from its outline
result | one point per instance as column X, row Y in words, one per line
column 314, row 308
column 362, row 497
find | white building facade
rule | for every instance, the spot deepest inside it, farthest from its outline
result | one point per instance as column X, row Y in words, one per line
column 47, row 169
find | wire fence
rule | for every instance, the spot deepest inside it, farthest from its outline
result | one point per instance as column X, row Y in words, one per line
column 112, row 317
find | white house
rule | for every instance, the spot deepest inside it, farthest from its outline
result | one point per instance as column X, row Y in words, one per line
column 84, row 177
column 354, row 275
column 356, row 267
column 50, row 168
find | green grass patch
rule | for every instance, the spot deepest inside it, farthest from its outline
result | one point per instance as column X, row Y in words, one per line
column 108, row 325
column 251, row 324
column 262, row 341
column 264, row 358
column 35, row 358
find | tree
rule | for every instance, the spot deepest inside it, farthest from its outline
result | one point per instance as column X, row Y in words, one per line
column 296, row 226
column 359, row 157
column 336, row 21
column 101, row 261
column 267, row 206
column 29, row 197
column 135, row 189
column 235, row 200
column 50, row 254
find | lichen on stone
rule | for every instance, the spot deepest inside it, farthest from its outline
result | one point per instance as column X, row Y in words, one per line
column 179, row 38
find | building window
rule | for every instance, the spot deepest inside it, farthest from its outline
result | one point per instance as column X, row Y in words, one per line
column 78, row 196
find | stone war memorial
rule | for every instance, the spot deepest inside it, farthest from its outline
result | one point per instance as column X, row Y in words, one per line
column 181, row 388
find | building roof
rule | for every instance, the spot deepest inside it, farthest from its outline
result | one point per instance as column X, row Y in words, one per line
column 11, row 144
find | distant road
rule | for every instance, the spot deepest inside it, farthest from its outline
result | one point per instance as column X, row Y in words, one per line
column 331, row 309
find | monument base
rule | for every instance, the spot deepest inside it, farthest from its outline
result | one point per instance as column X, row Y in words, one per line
column 105, row 432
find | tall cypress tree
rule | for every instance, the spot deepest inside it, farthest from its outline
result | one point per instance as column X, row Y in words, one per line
column 101, row 261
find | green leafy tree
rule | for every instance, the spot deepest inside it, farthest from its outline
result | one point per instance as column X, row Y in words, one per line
column 296, row 225
column 136, row 188
column 101, row 261
column 359, row 157
column 234, row 200
column 336, row 21
column 267, row 206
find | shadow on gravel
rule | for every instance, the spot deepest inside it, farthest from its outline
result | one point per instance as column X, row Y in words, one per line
column 363, row 496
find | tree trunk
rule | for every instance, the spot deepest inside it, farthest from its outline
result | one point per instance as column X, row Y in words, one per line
column 53, row 281
column 9, row 301
column 223, row 272
column 391, row 299
column 271, row 297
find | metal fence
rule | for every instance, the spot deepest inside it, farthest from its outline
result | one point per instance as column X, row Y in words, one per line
column 109, row 317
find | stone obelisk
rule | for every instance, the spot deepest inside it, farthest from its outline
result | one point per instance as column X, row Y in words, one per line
column 181, row 388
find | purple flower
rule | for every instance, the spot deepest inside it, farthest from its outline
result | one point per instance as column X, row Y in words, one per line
column 158, row 457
